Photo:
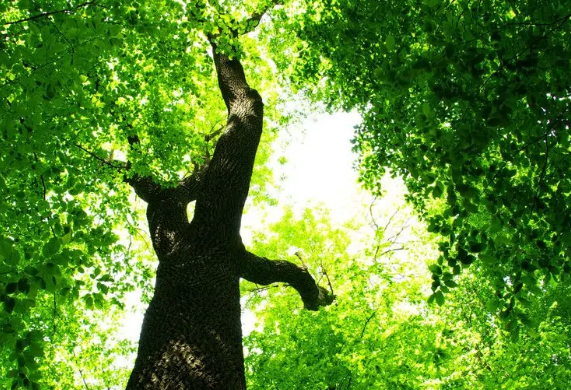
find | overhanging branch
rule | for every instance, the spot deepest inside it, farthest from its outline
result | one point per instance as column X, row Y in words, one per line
column 46, row 14
column 263, row 271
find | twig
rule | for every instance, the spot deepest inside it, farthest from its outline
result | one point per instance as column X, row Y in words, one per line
column 324, row 272
column 83, row 379
column 45, row 191
column 298, row 255
column 99, row 158
column 391, row 250
column 213, row 133
column 561, row 19
column 390, row 220
column 544, row 169
column 392, row 239
column 44, row 185
column 263, row 288
column 371, row 212
column 367, row 323
column 550, row 128
column 54, row 316
column 64, row 37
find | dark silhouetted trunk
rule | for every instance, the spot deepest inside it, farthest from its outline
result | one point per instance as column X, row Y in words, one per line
column 191, row 336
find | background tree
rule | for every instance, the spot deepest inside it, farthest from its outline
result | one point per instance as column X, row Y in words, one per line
column 381, row 332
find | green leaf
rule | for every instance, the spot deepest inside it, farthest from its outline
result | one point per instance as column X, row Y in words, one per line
column 52, row 269
column 36, row 350
column 13, row 258
column 487, row 258
column 477, row 247
column 50, row 91
column 390, row 42
column 439, row 298
column 435, row 269
column 51, row 247
column 492, row 305
column 451, row 283
column 427, row 110
column 5, row 248
column 9, row 304
column 11, row 288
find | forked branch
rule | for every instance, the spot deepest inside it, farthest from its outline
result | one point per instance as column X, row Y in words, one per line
column 145, row 187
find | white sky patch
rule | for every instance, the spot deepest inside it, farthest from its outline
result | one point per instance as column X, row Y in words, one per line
column 320, row 165
column 131, row 325
column 319, row 170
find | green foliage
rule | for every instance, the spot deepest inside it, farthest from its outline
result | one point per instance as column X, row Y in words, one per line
column 468, row 101
column 381, row 333
column 76, row 80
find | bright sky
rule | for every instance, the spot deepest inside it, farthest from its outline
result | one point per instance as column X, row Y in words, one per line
column 319, row 169
column 320, row 165
column 320, row 161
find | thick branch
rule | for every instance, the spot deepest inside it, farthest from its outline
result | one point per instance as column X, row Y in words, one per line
column 231, row 78
column 263, row 271
column 224, row 189
column 186, row 191
column 166, row 207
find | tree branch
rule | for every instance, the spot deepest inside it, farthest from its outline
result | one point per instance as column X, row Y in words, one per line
column 231, row 78
column 102, row 160
column 367, row 323
column 186, row 191
column 61, row 11
column 262, row 271
column 532, row 23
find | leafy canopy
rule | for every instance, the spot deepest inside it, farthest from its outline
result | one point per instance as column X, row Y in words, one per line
column 468, row 102
column 381, row 333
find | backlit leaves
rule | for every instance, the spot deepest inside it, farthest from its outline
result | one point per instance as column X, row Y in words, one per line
column 469, row 103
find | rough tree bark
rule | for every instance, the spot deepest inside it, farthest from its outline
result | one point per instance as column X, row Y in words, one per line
column 191, row 336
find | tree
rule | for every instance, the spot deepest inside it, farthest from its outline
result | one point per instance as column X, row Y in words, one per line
column 191, row 336
column 62, row 104
column 468, row 102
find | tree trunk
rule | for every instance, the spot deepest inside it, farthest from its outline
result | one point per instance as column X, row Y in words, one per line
column 191, row 336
